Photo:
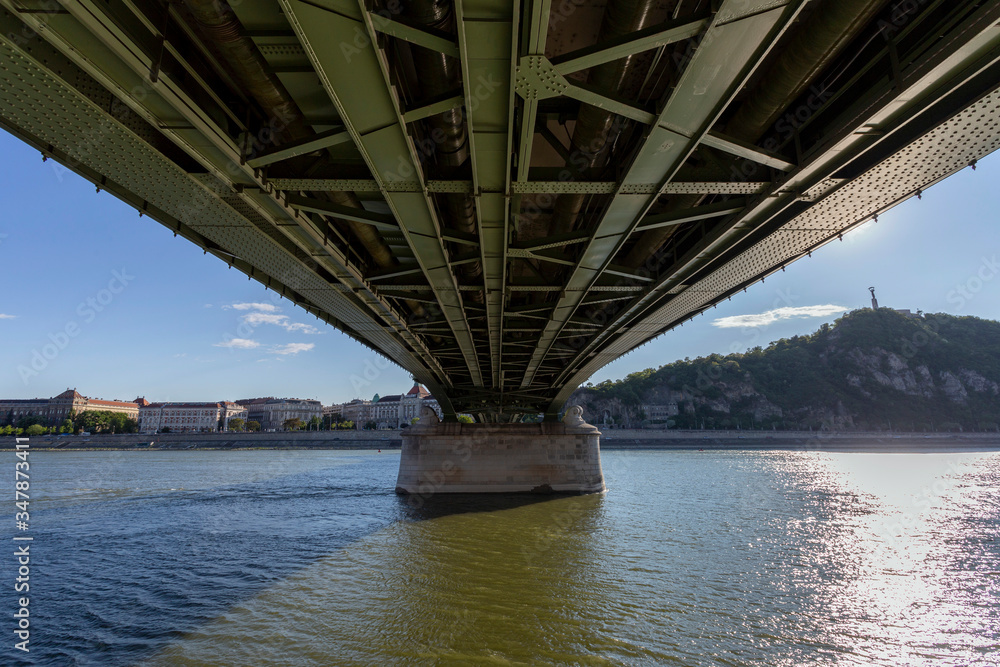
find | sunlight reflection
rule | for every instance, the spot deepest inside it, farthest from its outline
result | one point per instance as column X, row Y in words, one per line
column 897, row 546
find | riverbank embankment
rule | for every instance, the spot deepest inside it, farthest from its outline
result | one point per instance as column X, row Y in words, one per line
column 610, row 439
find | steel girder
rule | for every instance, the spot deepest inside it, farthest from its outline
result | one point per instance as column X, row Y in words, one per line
column 85, row 39
column 488, row 49
column 916, row 134
column 736, row 40
column 892, row 139
column 372, row 115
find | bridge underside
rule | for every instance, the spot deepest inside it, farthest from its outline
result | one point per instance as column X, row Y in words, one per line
column 502, row 196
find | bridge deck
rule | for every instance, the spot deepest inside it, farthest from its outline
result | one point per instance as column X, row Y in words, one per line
column 503, row 196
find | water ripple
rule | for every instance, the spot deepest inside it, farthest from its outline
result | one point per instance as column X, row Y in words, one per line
column 715, row 558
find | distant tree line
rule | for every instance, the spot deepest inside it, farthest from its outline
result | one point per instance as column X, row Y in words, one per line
column 88, row 421
column 832, row 371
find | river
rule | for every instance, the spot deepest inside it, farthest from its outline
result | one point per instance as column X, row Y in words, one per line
column 692, row 558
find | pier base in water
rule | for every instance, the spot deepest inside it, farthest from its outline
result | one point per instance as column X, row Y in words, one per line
column 500, row 458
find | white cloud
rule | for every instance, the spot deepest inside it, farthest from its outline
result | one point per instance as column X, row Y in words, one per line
column 293, row 348
column 239, row 343
column 257, row 318
column 4, row 316
column 207, row 305
column 776, row 315
column 263, row 307
column 304, row 328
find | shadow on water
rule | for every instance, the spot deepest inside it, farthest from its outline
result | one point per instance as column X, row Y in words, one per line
column 424, row 508
column 115, row 579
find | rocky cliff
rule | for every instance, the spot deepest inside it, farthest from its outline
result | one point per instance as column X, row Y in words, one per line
column 870, row 370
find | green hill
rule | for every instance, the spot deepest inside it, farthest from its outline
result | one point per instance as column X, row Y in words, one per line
column 870, row 370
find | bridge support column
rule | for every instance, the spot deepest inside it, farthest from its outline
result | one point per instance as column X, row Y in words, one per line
column 561, row 457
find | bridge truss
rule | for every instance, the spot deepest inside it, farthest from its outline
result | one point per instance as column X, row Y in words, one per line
column 503, row 196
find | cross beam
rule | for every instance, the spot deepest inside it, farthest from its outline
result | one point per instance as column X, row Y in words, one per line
column 729, row 51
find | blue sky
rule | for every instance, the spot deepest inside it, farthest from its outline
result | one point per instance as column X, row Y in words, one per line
column 112, row 304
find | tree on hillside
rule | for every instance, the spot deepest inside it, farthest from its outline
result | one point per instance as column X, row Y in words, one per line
column 105, row 421
column 25, row 422
column 869, row 370
column 93, row 421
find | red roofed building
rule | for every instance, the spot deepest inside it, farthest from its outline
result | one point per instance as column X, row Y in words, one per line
column 58, row 408
column 392, row 411
column 418, row 391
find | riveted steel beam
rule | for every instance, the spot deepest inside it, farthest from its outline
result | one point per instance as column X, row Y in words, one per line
column 557, row 241
column 533, row 44
column 357, row 81
column 720, row 66
column 924, row 114
column 745, row 150
column 518, row 253
column 319, row 142
column 526, row 187
column 92, row 39
column 370, row 185
column 613, row 187
column 487, row 44
column 329, row 184
column 376, row 220
column 628, row 45
column 393, row 273
column 456, row 236
column 399, row 28
column 690, row 215
column 201, row 206
column 625, row 272
column 898, row 123
column 604, row 100
column 538, row 79
column 433, row 108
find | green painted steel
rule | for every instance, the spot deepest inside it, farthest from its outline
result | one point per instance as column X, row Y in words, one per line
column 729, row 54
column 376, row 124
column 320, row 141
column 622, row 47
column 427, row 39
column 422, row 223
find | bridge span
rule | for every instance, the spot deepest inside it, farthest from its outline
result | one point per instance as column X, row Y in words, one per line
column 502, row 196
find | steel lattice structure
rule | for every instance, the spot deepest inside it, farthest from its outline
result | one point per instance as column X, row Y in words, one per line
column 502, row 196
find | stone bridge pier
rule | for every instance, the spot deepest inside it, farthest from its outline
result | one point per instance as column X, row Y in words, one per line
column 548, row 457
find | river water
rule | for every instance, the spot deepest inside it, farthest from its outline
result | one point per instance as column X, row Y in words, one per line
column 692, row 558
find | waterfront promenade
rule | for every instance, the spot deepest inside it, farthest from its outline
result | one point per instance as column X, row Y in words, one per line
column 610, row 439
